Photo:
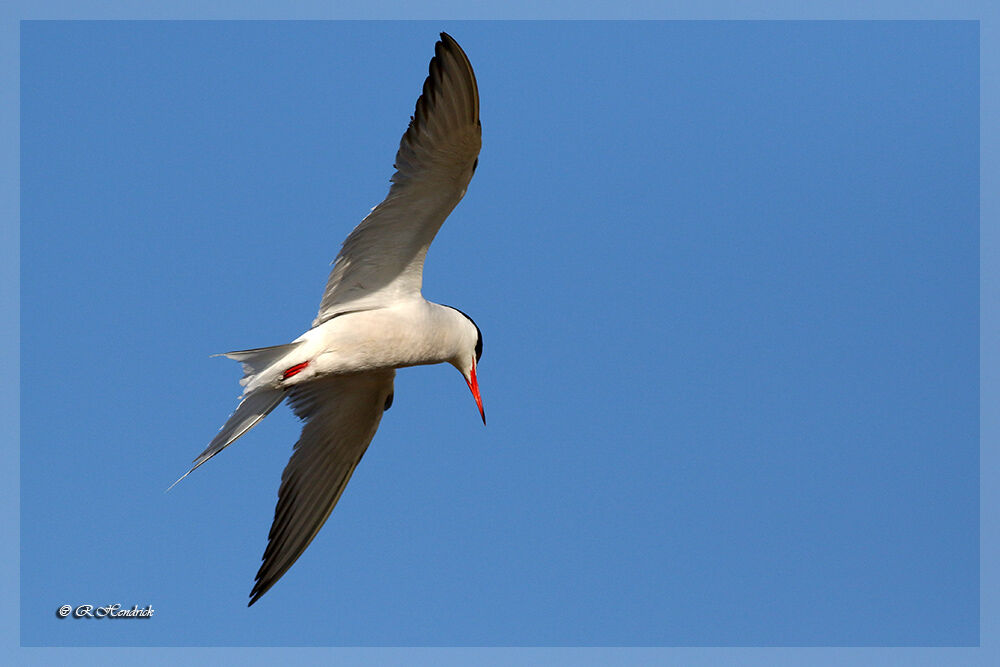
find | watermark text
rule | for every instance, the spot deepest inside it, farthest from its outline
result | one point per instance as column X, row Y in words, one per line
column 107, row 611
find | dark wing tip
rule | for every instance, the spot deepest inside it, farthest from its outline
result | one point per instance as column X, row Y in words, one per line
column 447, row 54
column 446, row 110
column 448, row 42
column 256, row 592
column 263, row 582
column 259, row 588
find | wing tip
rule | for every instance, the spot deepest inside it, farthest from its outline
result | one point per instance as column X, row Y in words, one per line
column 254, row 596
column 449, row 42
column 447, row 45
column 263, row 582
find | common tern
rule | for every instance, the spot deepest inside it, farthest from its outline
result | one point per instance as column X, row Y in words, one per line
column 373, row 319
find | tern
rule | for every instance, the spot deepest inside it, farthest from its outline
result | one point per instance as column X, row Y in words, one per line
column 373, row 319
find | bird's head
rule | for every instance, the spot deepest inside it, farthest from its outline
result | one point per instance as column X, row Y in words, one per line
column 468, row 356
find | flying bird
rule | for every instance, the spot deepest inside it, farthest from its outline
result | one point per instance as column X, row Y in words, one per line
column 373, row 319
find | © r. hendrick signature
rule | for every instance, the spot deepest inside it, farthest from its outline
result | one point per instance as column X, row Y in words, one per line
column 108, row 611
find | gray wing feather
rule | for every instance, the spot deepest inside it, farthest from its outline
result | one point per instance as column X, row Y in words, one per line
column 383, row 257
column 342, row 414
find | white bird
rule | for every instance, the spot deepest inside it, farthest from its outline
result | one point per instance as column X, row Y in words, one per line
column 338, row 376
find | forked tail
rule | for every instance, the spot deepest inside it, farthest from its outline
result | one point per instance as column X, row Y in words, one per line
column 255, row 406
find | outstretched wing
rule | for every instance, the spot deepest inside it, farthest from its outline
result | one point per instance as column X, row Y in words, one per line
column 342, row 414
column 383, row 258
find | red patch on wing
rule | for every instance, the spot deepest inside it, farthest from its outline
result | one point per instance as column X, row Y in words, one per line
column 294, row 370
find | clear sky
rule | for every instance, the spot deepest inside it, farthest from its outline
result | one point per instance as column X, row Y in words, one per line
column 727, row 276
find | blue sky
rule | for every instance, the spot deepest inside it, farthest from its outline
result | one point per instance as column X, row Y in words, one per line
column 727, row 275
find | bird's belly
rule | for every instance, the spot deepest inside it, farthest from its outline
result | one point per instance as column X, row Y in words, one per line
column 373, row 340
column 359, row 356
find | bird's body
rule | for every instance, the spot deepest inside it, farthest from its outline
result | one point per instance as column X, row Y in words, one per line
column 413, row 332
column 373, row 319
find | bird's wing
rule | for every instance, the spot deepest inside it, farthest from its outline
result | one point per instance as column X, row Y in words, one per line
column 342, row 414
column 383, row 258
